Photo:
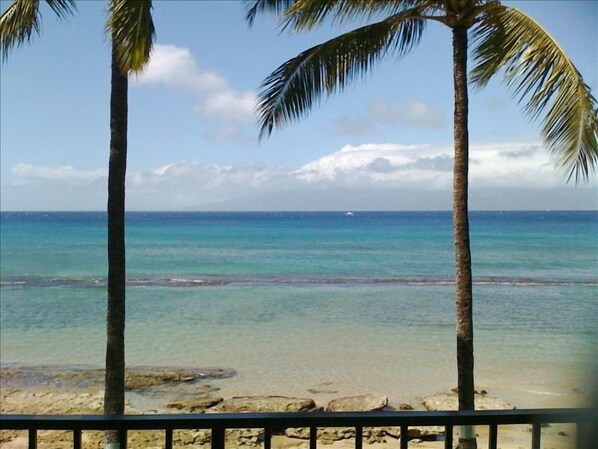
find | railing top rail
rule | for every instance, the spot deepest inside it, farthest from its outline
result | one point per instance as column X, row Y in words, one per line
column 310, row 419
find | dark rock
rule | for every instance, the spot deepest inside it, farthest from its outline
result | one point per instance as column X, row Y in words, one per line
column 394, row 432
column 425, row 433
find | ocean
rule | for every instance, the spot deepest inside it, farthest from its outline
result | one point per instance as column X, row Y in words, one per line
column 313, row 301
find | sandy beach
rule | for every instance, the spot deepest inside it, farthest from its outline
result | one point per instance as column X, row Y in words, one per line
column 79, row 391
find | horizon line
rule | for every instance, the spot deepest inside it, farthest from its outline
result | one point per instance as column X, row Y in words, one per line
column 292, row 210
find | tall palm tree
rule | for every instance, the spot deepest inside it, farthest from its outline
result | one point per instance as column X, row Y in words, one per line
column 131, row 30
column 502, row 39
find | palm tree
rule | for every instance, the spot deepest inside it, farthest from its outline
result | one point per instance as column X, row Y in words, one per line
column 132, row 32
column 502, row 39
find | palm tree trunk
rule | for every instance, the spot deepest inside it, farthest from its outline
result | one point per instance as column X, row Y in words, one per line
column 114, row 396
column 463, row 277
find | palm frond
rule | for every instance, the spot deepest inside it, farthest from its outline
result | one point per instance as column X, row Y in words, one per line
column 292, row 89
column 302, row 15
column 62, row 8
column 306, row 14
column 21, row 20
column 255, row 7
column 132, row 30
column 17, row 24
column 540, row 73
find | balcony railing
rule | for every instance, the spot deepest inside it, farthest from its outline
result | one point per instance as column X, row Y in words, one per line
column 584, row 419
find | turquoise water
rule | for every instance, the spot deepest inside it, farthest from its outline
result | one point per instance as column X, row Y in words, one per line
column 292, row 301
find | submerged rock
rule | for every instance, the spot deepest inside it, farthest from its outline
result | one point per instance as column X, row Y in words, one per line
column 323, row 388
column 136, row 378
column 141, row 377
column 195, row 405
column 264, row 404
column 140, row 381
column 363, row 403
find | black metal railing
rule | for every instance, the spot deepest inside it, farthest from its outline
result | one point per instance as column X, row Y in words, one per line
column 584, row 419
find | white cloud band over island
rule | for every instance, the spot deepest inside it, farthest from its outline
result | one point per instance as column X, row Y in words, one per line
column 365, row 177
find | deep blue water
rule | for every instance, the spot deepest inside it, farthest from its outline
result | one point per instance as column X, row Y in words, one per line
column 63, row 248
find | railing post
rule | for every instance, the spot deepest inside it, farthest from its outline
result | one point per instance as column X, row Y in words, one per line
column 358, row 437
column 32, row 438
column 122, row 439
column 493, row 436
column 313, row 438
column 217, row 438
column 448, row 436
column 536, row 435
column 267, row 438
column 404, row 437
column 168, row 439
column 77, row 439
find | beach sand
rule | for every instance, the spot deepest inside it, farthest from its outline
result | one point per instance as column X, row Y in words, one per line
column 48, row 391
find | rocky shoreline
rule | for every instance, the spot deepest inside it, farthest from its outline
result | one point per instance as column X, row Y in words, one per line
column 55, row 390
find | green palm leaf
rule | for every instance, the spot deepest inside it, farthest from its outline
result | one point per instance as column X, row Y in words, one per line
column 132, row 30
column 22, row 19
column 306, row 14
column 261, row 6
column 62, row 8
column 541, row 74
column 291, row 90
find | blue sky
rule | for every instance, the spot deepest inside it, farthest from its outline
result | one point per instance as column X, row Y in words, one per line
column 385, row 143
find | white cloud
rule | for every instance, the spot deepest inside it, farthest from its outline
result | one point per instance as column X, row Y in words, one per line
column 415, row 113
column 229, row 106
column 358, row 160
column 511, row 164
column 382, row 165
column 508, row 164
column 67, row 174
column 54, row 188
column 216, row 100
column 378, row 176
column 176, row 67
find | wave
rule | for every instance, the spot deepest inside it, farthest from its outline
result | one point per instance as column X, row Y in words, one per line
column 25, row 282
